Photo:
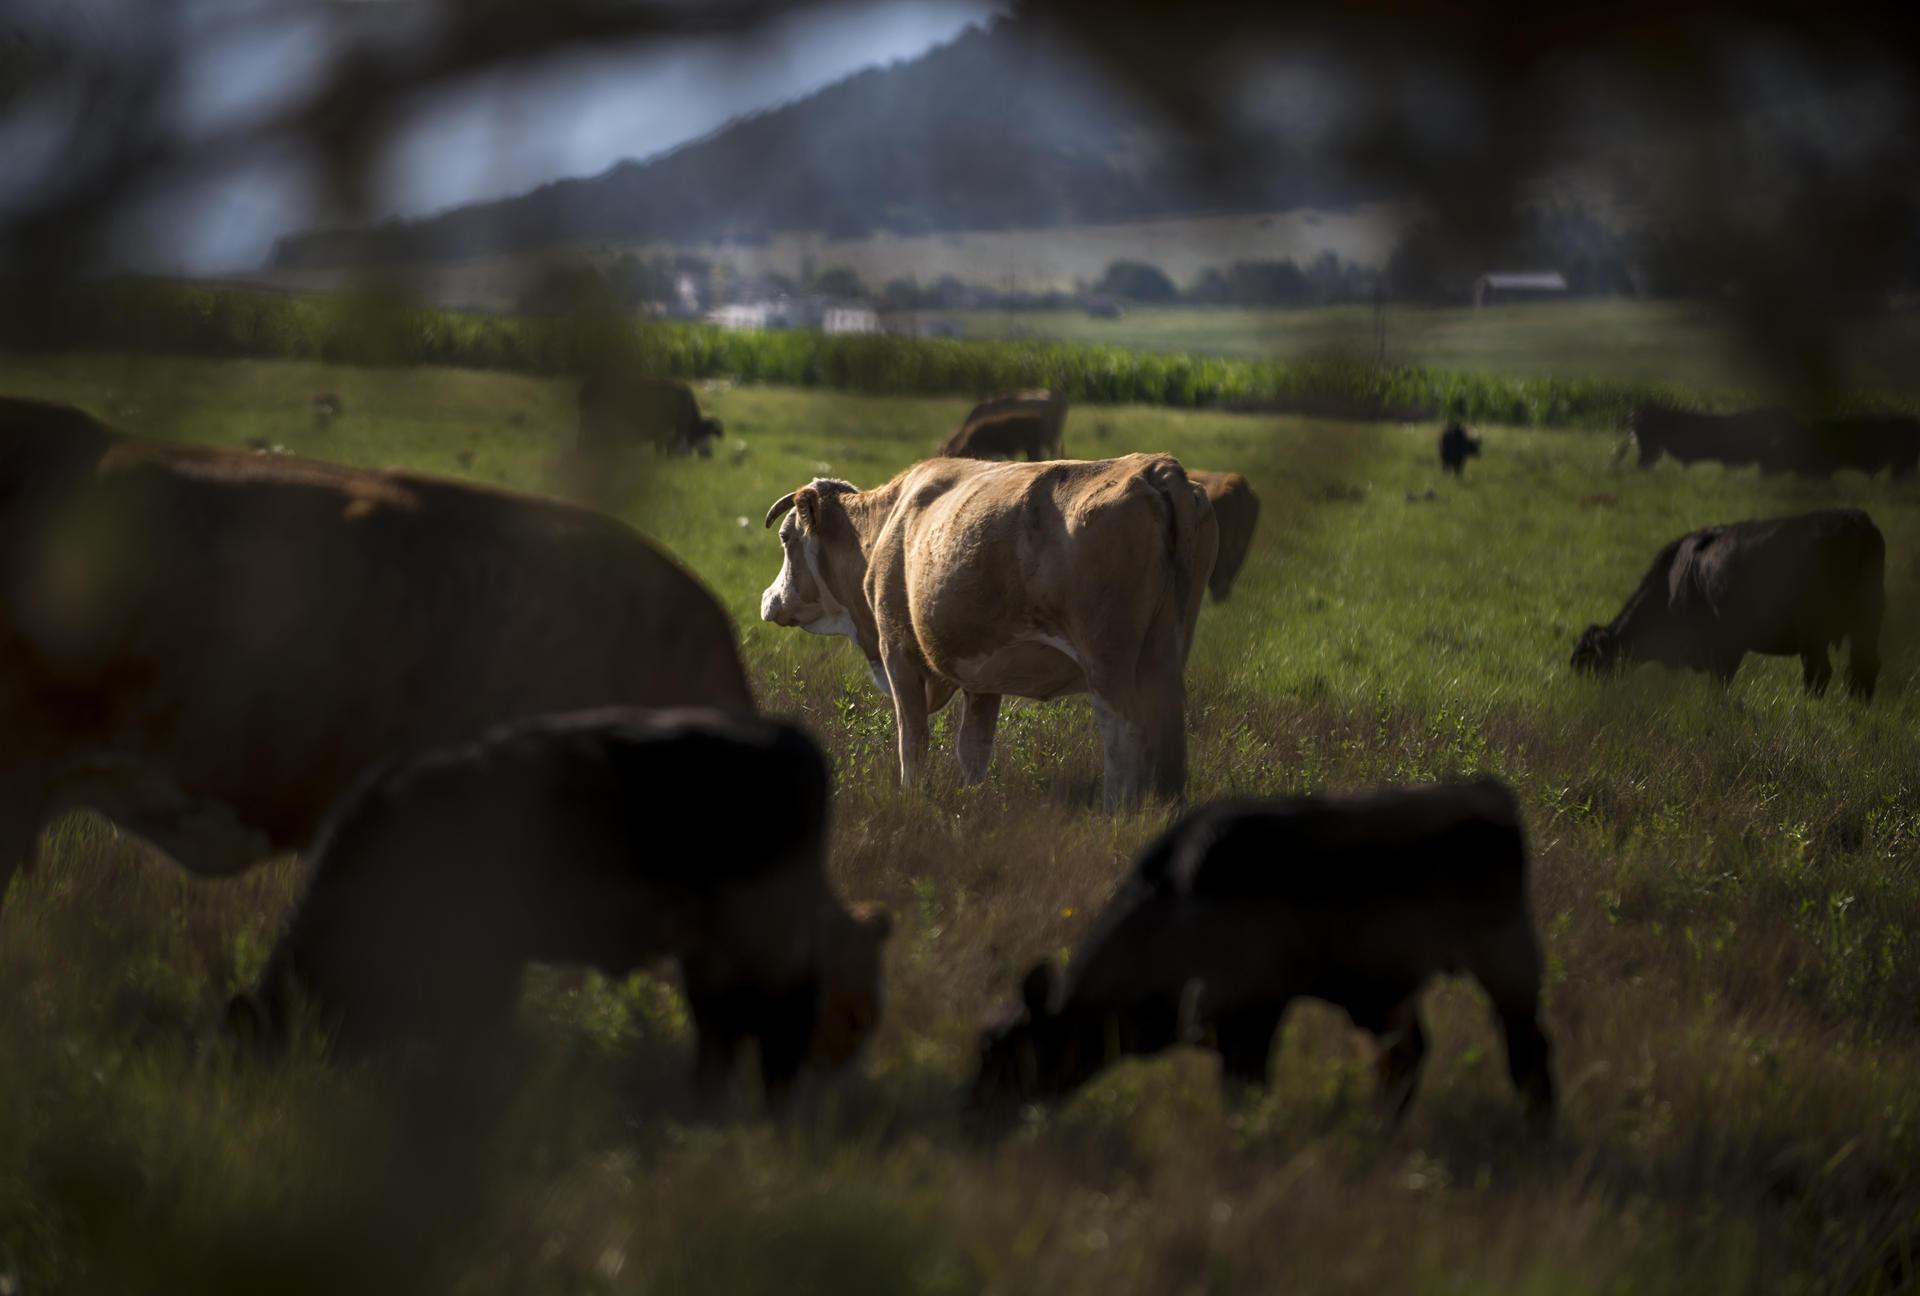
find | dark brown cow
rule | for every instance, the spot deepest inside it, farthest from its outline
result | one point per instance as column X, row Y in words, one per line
column 1787, row 586
column 208, row 646
column 1243, row 907
column 1864, row 444
column 608, row 838
column 1237, row 510
column 1029, row 423
column 621, row 410
column 1763, row 437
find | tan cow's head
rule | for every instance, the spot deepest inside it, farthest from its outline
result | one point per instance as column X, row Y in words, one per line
column 820, row 580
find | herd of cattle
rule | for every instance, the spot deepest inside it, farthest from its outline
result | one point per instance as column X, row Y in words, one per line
column 539, row 749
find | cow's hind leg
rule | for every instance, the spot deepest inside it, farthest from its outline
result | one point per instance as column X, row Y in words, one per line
column 1509, row 968
column 1863, row 648
column 720, row 1028
column 1245, row 1040
column 1404, row 1050
column 22, row 813
column 1815, row 670
column 974, row 748
column 1122, row 750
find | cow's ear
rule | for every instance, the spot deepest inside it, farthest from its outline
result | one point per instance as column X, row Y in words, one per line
column 1036, row 989
column 806, row 502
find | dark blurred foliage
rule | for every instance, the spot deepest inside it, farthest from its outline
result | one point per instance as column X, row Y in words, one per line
column 1462, row 106
column 1795, row 228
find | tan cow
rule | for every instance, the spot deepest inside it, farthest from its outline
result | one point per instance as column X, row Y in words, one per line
column 1037, row 580
column 208, row 646
column 1029, row 422
column 1237, row 509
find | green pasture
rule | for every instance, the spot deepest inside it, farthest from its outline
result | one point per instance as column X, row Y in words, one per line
column 1617, row 339
column 1727, row 881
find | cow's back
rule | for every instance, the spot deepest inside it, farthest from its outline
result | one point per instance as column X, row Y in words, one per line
column 1779, row 580
column 1450, row 842
column 265, row 628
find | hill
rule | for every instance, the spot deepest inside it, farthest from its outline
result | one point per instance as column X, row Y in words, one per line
column 999, row 129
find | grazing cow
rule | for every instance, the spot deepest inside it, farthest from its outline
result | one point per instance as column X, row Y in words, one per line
column 609, row 838
column 1242, row 907
column 1456, row 447
column 1031, row 579
column 1029, row 423
column 619, row 410
column 208, row 646
column 1864, row 444
column 1762, row 437
column 1236, row 510
column 1786, row 587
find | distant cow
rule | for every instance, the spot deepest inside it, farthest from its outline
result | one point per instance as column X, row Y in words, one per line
column 620, row 410
column 1864, row 444
column 327, row 407
column 1785, row 587
column 209, row 646
column 1236, row 510
column 1037, row 580
column 1243, row 907
column 608, row 838
column 1029, row 423
column 1456, row 447
column 1762, row 437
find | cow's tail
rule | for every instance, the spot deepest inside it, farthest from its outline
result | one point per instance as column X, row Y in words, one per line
column 1187, row 509
column 1189, row 527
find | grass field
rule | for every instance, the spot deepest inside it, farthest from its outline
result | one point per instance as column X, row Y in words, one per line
column 1728, row 884
column 1634, row 341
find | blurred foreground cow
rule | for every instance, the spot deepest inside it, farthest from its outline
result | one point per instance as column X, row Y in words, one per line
column 1030, row 423
column 1037, row 580
column 1456, row 447
column 607, row 838
column 619, row 411
column 207, row 647
column 1785, row 587
column 1762, row 437
column 1236, row 511
column 1243, row 907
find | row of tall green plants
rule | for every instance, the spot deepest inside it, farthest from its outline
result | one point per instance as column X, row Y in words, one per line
column 168, row 317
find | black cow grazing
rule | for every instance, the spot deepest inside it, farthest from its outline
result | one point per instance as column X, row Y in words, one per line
column 618, row 410
column 1762, row 437
column 1242, row 907
column 1456, row 447
column 1786, row 587
column 1865, row 444
column 610, row 838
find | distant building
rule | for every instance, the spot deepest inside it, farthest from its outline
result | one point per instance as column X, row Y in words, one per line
column 913, row 324
column 849, row 319
column 686, row 294
column 1499, row 286
column 772, row 314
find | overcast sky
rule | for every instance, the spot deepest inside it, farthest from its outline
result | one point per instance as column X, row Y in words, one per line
column 509, row 131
